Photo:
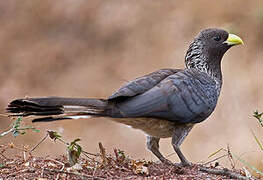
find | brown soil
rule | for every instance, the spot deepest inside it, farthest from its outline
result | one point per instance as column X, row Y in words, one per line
column 97, row 166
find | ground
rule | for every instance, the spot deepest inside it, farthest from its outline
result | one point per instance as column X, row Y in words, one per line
column 104, row 166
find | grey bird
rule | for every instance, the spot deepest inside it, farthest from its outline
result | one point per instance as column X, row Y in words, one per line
column 165, row 103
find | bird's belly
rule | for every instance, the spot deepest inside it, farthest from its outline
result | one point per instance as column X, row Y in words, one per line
column 153, row 127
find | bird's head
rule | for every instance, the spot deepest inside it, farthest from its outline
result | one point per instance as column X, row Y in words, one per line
column 208, row 48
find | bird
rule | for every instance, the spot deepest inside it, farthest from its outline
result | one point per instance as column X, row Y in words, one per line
column 166, row 103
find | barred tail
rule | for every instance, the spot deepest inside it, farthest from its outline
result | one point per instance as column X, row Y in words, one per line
column 57, row 108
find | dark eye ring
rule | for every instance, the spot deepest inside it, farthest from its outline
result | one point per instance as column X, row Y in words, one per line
column 217, row 38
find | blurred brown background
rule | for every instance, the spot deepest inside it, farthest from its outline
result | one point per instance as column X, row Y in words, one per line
column 79, row 48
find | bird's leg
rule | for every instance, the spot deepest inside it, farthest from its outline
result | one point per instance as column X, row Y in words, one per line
column 153, row 146
column 178, row 137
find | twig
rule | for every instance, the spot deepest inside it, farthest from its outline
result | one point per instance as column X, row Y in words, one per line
column 215, row 159
column 6, row 132
column 13, row 174
column 43, row 139
column 92, row 154
column 82, row 176
column 103, row 154
column 230, row 157
column 224, row 172
column 214, row 153
column 257, row 140
column 42, row 172
column 63, row 165
column 95, row 169
column 86, row 155
column 61, row 140
column 119, row 164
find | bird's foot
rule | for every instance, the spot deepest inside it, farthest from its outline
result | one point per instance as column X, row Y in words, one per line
column 166, row 161
column 181, row 164
column 185, row 164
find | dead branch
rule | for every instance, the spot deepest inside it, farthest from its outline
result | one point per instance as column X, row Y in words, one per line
column 224, row 172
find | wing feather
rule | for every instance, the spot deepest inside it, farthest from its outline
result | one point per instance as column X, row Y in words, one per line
column 183, row 97
column 142, row 84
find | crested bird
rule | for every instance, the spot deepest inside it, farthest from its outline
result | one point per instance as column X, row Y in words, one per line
column 165, row 103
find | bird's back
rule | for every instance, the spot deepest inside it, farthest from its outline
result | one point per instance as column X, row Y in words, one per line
column 187, row 96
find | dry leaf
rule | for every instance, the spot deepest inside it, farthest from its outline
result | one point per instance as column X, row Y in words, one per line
column 139, row 167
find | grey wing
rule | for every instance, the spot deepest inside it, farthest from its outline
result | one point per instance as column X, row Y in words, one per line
column 177, row 98
column 142, row 84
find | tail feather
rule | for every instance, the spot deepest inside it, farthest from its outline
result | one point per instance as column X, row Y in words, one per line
column 49, row 119
column 57, row 108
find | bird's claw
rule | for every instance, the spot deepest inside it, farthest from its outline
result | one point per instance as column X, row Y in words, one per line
column 181, row 164
column 168, row 162
column 185, row 164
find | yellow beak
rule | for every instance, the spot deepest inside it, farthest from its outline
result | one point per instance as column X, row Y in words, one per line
column 233, row 40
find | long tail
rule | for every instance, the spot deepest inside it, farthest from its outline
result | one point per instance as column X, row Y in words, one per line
column 57, row 108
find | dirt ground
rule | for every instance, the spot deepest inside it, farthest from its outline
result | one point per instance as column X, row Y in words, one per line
column 104, row 166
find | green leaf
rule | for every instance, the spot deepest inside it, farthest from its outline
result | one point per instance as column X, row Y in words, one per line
column 17, row 123
column 258, row 117
column 17, row 129
column 54, row 135
column 74, row 142
column 16, row 133
column 74, row 150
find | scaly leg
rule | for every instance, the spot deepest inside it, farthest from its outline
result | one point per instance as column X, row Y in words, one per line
column 153, row 146
column 178, row 137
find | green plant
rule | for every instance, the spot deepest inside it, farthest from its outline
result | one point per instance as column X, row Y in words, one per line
column 17, row 129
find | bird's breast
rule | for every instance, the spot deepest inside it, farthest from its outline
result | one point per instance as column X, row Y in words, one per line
column 193, row 97
column 151, row 126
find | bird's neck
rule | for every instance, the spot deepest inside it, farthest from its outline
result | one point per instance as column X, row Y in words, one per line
column 197, row 57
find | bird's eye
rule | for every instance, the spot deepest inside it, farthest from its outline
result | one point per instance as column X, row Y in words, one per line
column 217, row 38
